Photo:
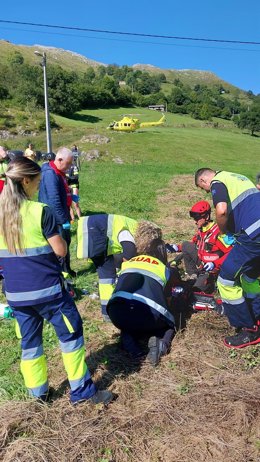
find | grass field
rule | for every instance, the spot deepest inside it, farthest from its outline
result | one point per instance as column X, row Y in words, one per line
column 155, row 181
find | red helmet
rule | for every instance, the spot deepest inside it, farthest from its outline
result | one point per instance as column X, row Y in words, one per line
column 200, row 210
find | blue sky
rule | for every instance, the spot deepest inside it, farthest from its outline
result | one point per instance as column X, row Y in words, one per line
column 222, row 19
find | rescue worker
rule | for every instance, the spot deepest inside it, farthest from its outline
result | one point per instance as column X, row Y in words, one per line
column 139, row 307
column 73, row 182
column 29, row 245
column 204, row 255
column 107, row 240
column 237, row 204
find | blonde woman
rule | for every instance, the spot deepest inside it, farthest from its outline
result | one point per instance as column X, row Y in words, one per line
column 29, row 246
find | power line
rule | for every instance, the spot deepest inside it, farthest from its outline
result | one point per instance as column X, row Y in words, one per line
column 103, row 31
column 137, row 41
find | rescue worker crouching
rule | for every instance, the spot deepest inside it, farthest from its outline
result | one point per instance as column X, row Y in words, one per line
column 139, row 306
column 237, row 204
column 108, row 240
column 29, row 245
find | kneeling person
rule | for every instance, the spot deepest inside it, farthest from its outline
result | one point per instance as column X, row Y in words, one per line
column 138, row 306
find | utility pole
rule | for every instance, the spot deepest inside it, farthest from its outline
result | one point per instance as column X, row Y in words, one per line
column 46, row 101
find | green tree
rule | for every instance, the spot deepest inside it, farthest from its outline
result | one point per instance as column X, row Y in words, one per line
column 89, row 75
column 250, row 119
column 16, row 58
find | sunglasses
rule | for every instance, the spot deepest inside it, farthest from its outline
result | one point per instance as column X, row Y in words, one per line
column 198, row 216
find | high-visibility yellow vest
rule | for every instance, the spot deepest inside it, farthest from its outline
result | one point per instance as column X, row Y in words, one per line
column 144, row 264
column 116, row 224
column 32, row 276
column 244, row 201
column 98, row 234
column 150, row 290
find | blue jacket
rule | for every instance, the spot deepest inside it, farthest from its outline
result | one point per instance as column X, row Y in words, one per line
column 52, row 192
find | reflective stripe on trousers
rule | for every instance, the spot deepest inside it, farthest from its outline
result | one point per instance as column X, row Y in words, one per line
column 64, row 317
column 34, row 371
column 106, row 289
column 237, row 283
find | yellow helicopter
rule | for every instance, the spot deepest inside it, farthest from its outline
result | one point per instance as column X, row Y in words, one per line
column 130, row 124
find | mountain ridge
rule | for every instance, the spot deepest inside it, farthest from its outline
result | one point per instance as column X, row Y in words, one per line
column 72, row 60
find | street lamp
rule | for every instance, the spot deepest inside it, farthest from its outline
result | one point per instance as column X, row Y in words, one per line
column 46, row 102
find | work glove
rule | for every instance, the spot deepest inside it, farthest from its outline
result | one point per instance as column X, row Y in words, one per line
column 171, row 248
column 66, row 225
column 75, row 198
column 228, row 239
column 209, row 266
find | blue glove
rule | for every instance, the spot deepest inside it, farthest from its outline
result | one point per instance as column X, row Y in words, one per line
column 228, row 239
column 209, row 266
column 66, row 225
column 171, row 248
column 75, row 198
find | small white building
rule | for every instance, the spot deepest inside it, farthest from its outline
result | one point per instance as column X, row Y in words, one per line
column 157, row 107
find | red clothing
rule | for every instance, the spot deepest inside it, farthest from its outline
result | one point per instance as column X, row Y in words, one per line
column 58, row 172
column 2, row 183
column 210, row 246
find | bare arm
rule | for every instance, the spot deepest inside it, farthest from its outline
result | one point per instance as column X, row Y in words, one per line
column 222, row 216
column 59, row 246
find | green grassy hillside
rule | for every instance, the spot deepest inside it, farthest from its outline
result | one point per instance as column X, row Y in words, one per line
column 73, row 61
column 66, row 59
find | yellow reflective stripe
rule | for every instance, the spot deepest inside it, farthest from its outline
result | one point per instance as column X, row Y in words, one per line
column 250, row 287
column 116, row 224
column 146, row 263
column 17, row 329
column 105, row 291
column 75, row 364
column 234, row 292
column 82, row 238
column 68, row 324
column 34, row 371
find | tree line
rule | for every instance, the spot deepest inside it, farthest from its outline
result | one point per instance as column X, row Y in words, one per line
column 21, row 84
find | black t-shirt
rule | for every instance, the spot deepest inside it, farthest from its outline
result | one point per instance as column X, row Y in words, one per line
column 49, row 225
column 129, row 249
column 219, row 193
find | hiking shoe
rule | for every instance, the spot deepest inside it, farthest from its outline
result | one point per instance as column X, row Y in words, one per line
column 102, row 396
column 244, row 338
column 156, row 350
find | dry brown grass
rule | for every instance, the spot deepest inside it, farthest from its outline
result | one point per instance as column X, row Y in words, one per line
column 200, row 404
